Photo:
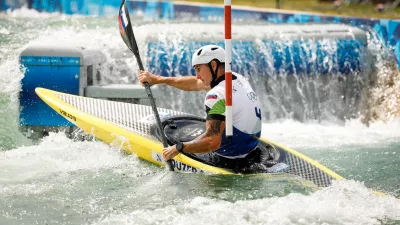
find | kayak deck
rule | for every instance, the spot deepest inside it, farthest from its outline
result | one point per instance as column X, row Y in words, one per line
column 132, row 126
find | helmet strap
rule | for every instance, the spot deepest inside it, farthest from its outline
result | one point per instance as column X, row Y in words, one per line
column 214, row 74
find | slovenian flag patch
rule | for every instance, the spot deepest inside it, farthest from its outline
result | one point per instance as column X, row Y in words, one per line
column 211, row 97
column 123, row 21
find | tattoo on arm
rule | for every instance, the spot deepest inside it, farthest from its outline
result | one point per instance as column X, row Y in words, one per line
column 208, row 140
column 214, row 128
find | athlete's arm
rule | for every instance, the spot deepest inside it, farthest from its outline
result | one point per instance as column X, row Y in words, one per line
column 207, row 142
column 186, row 83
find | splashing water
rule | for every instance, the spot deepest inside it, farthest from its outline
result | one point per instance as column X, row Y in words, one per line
column 61, row 181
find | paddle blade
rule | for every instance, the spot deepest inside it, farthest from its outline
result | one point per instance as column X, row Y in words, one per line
column 125, row 28
column 126, row 31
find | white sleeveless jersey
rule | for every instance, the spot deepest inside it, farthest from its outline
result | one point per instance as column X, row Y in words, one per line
column 246, row 112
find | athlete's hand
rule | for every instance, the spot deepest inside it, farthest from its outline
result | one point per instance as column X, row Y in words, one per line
column 170, row 152
column 145, row 76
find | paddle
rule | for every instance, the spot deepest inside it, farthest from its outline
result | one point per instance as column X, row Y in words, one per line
column 126, row 31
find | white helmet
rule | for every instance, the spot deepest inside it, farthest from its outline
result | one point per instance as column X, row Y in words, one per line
column 207, row 53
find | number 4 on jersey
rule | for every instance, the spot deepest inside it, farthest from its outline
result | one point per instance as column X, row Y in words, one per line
column 258, row 112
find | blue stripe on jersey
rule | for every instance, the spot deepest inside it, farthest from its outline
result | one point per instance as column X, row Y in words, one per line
column 240, row 144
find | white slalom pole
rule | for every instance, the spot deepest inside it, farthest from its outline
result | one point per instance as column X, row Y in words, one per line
column 228, row 68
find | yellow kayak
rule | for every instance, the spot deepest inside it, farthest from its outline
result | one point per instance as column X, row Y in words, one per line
column 133, row 127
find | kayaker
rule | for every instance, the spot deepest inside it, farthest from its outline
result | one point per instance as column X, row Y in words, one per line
column 239, row 152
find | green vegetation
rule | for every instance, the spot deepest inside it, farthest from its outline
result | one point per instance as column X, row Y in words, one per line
column 366, row 10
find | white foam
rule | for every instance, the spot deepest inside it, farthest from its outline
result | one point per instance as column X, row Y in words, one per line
column 326, row 135
column 345, row 202
column 4, row 31
column 24, row 12
column 57, row 153
column 10, row 77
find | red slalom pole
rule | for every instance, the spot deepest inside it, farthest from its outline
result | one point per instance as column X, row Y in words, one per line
column 228, row 68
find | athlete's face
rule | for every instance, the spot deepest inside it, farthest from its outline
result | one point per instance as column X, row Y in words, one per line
column 203, row 73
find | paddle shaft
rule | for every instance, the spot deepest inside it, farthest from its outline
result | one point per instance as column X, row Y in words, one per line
column 152, row 101
column 134, row 48
column 153, row 105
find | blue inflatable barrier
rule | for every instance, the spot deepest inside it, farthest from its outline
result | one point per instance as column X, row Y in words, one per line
column 58, row 73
